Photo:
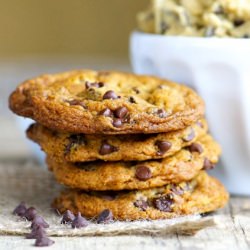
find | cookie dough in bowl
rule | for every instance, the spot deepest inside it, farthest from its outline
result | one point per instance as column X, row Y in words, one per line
column 203, row 18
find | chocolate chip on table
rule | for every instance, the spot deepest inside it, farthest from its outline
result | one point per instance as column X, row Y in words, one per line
column 190, row 136
column 143, row 205
column 105, row 216
column 30, row 213
column 94, row 84
column 164, row 203
column 143, row 173
column 161, row 113
column 68, row 217
column 79, row 221
column 106, row 148
column 106, row 112
column 110, row 95
column 163, row 146
column 208, row 165
column 77, row 103
column 117, row 123
column 39, row 221
column 238, row 22
column 195, row 147
column 37, row 232
column 121, row 112
column 44, row 242
column 20, row 209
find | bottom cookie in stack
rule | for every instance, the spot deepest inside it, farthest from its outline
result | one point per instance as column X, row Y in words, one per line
column 200, row 195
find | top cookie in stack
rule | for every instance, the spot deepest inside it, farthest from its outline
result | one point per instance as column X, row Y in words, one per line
column 111, row 131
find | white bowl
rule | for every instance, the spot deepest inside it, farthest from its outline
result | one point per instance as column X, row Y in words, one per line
column 219, row 69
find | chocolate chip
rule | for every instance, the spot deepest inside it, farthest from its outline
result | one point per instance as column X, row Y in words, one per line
column 190, row 136
column 77, row 103
column 106, row 148
column 117, row 123
column 164, row 27
column 238, row 22
column 164, row 203
column 163, row 146
column 177, row 190
column 143, row 205
column 131, row 99
column 246, row 36
column 20, row 209
column 209, row 31
column 37, row 232
column 136, row 90
column 121, row 112
column 143, row 173
column 39, row 221
column 161, row 113
column 78, row 139
column 30, row 213
column 110, row 95
column 44, row 242
column 109, row 195
column 94, row 84
column 208, row 165
column 195, row 147
column 105, row 216
column 79, row 221
column 68, row 217
column 106, row 112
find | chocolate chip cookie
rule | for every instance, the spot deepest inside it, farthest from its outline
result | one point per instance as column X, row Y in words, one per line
column 89, row 102
column 203, row 194
column 183, row 166
column 83, row 147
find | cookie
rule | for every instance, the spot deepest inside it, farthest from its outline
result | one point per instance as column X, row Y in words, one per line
column 183, row 166
column 106, row 103
column 201, row 195
column 139, row 147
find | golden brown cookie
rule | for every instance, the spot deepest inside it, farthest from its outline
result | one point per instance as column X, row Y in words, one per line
column 203, row 194
column 107, row 102
column 139, row 147
column 183, row 166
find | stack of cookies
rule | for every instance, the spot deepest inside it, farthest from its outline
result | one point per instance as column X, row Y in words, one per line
column 136, row 146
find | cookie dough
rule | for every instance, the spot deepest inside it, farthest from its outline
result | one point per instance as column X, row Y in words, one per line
column 83, row 147
column 206, row 18
column 93, row 102
column 203, row 194
column 183, row 166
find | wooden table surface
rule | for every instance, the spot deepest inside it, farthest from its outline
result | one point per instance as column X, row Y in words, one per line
column 232, row 233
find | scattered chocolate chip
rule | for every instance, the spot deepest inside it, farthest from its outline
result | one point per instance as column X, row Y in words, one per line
column 37, row 232
column 106, row 112
column 105, row 216
column 164, row 203
column 77, row 103
column 79, row 221
column 177, row 190
column 30, row 213
column 20, row 209
column 136, row 90
column 208, row 165
column 161, row 113
column 238, row 22
column 143, row 173
column 143, row 205
column 106, row 148
column 117, row 123
column 39, row 221
column 68, row 217
column 163, row 146
column 94, row 84
column 121, row 112
column 195, row 147
column 110, row 95
column 131, row 99
column 44, row 242
column 190, row 136
column 209, row 31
